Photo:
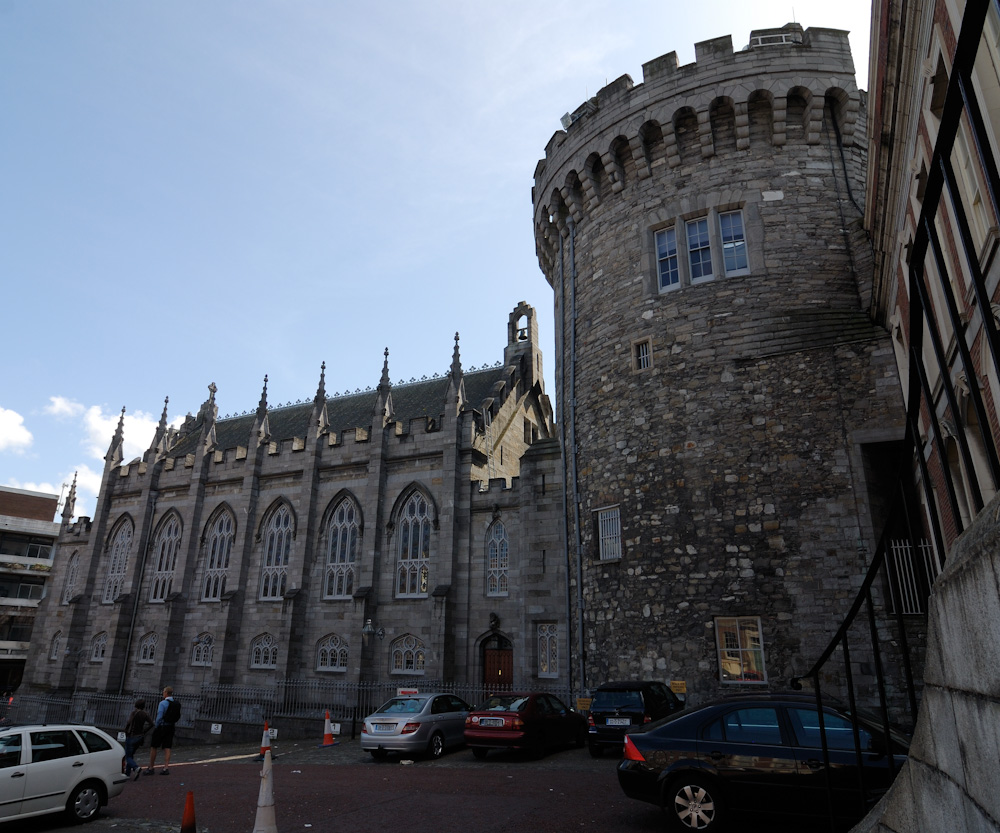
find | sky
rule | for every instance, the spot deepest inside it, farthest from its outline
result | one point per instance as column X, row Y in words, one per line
column 207, row 192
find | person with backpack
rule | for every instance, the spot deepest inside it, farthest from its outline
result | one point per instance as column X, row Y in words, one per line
column 139, row 722
column 167, row 715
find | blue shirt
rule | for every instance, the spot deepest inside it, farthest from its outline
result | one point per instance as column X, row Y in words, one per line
column 161, row 710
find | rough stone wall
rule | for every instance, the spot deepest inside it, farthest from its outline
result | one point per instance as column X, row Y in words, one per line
column 736, row 458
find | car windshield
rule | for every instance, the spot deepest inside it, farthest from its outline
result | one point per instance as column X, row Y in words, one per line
column 617, row 700
column 505, row 703
column 402, row 705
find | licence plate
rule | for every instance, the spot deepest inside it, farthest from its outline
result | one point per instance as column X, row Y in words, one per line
column 384, row 727
column 618, row 721
column 491, row 721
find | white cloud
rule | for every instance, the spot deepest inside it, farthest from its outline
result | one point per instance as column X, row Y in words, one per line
column 13, row 435
column 62, row 407
column 100, row 427
column 45, row 487
column 88, row 485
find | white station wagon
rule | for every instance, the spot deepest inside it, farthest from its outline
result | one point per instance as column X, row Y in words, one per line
column 56, row 768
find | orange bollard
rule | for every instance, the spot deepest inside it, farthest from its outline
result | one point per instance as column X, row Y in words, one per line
column 328, row 732
column 187, row 822
column 265, row 743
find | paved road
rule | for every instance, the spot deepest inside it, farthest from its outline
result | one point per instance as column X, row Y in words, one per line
column 342, row 789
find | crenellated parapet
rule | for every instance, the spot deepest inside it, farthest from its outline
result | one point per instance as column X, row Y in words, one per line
column 775, row 92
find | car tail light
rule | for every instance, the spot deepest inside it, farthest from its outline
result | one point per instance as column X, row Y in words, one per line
column 410, row 728
column 517, row 723
column 647, row 719
column 632, row 752
column 590, row 720
column 468, row 720
column 124, row 766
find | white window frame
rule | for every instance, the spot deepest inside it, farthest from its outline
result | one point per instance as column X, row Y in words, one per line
column 263, row 652
column 121, row 544
column 165, row 548
column 667, row 259
column 203, row 650
column 413, row 547
column 217, row 555
column 737, row 244
column 278, row 535
column 739, row 643
column 99, row 647
column 608, row 531
column 147, row 649
column 407, row 656
column 497, row 560
column 700, row 246
column 343, row 536
column 548, row 650
column 332, row 654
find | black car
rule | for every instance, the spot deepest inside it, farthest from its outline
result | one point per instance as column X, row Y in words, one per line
column 760, row 754
column 621, row 706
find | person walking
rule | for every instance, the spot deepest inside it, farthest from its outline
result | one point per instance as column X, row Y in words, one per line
column 139, row 722
column 167, row 715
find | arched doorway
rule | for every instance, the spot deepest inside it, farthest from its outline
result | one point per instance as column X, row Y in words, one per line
column 498, row 662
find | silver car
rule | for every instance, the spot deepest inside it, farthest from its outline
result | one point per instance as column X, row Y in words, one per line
column 414, row 724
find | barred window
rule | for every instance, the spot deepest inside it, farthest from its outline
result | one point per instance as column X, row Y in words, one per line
column 741, row 649
column 608, row 533
column 407, row 655
column 165, row 554
column 497, row 560
column 99, row 647
column 277, row 553
column 147, row 649
column 332, row 654
column 341, row 550
column 548, row 650
column 204, row 649
column 219, row 548
column 121, row 543
column 263, row 652
column 414, row 525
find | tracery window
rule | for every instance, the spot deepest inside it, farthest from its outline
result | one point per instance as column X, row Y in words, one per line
column 56, row 645
column 277, row 553
column 412, row 572
column 263, row 652
column 497, row 560
column 121, row 543
column 165, row 559
column 407, row 655
column 332, row 654
column 341, row 550
column 99, row 647
column 218, row 549
column 147, row 649
column 203, row 650
column 72, row 569
column 548, row 650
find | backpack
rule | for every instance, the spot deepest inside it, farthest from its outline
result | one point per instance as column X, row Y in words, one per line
column 173, row 712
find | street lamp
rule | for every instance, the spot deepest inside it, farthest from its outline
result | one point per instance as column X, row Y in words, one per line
column 369, row 630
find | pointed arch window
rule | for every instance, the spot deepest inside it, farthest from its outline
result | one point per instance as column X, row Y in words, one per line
column 165, row 559
column 121, row 544
column 332, row 654
column 341, row 550
column 277, row 553
column 204, row 649
column 548, row 650
column 99, row 647
column 497, row 560
column 56, row 646
column 147, row 649
column 218, row 549
column 412, row 571
column 264, row 652
column 407, row 655
column 72, row 570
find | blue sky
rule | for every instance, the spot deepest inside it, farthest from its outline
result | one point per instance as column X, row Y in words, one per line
column 196, row 192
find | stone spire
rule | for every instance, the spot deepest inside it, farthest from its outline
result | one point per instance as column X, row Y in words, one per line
column 455, row 395
column 382, row 412
column 320, row 418
column 321, row 388
column 207, row 415
column 159, row 436
column 262, row 405
column 261, row 431
column 69, row 507
column 114, row 455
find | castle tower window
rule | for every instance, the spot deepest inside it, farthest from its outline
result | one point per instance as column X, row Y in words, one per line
column 332, row 654
column 147, row 649
column 741, row 649
column 642, row 355
column 341, row 553
column 734, row 245
column 548, row 650
column 99, row 647
column 497, row 560
column 412, row 572
column 608, row 533
column 203, row 650
column 220, row 545
column 407, row 655
column 263, row 652
column 699, row 251
column 121, row 543
column 666, row 259
column 277, row 553
column 165, row 554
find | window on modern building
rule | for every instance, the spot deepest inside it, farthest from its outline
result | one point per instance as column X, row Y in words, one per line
column 497, row 560
column 699, row 250
column 608, row 532
column 341, row 550
column 666, row 259
column 121, row 543
column 56, row 646
column 72, row 569
column 25, row 546
column 165, row 559
column 277, row 554
column 642, row 355
column 740, row 649
column 219, row 548
column 147, row 649
column 203, row 650
column 734, row 244
column 412, row 571
column 99, row 647
column 263, row 652
column 407, row 655
column 548, row 650
column 331, row 654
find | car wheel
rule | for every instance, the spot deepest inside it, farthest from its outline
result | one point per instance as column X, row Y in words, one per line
column 479, row 753
column 379, row 754
column 436, row 746
column 85, row 802
column 595, row 751
column 692, row 802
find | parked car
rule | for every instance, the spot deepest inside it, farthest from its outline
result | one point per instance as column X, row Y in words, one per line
column 759, row 754
column 415, row 723
column 535, row 721
column 620, row 706
column 58, row 767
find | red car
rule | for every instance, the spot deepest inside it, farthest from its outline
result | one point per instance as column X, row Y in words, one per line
column 535, row 721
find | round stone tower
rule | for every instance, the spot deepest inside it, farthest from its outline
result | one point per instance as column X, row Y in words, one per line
column 727, row 406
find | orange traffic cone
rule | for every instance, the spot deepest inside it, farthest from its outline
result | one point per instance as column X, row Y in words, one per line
column 187, row 822
column 264, row 822
column 265, row 743
column 328, row 733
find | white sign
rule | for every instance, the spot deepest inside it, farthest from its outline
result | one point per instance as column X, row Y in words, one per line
column 272, row 733
column 334, row 728
column 216, row 728
column 121, row 737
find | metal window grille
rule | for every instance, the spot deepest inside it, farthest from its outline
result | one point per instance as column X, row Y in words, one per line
column 609, row 534
column 643, row 355
column 915, row 573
